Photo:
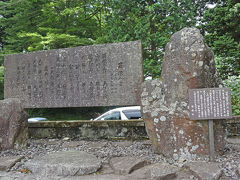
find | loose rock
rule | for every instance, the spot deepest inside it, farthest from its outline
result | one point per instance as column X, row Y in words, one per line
column 155, row 171
column 205, row 170
column 125, row 165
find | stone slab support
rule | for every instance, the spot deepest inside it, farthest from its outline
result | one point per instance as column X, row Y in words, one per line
column 13, row 124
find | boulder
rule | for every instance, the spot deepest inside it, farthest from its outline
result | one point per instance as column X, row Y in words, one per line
column 13, row 124
column 188, row 64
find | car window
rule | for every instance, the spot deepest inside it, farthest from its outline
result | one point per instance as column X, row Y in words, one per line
column 132, row 114
column 112, row 116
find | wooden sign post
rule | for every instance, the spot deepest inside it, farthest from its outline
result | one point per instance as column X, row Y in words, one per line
column 209, row 104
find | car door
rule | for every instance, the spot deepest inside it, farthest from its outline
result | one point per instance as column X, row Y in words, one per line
column 115, row 115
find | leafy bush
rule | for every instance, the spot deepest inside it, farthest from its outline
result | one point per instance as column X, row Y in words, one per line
column 1, row 82
column 227, row 66
column 233, row 82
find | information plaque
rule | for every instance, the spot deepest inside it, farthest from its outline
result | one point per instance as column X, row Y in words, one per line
column 210, row 103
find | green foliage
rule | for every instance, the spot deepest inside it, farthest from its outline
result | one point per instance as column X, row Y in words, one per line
column 43, row 24
column 51, row 41
column 153, row 22
column 227, row 66
column 233, row 82
column 1, row 82
column 221, row 25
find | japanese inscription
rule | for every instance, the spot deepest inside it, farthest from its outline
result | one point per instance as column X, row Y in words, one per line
column 210, row 103
column 98, row 75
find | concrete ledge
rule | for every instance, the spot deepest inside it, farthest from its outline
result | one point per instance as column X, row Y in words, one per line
column 85, row 129
column 232, row 126
column 77, row 123
column 234, row 119
column 129, row 129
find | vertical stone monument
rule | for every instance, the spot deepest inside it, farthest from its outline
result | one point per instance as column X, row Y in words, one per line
column 13, row 124
column 188, row 64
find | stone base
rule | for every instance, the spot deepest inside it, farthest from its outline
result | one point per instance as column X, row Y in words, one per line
column 183, row 138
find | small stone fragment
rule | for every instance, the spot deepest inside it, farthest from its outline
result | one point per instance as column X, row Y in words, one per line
column 126, row 165
column 7, row 162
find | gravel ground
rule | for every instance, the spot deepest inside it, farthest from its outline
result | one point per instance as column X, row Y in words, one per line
column 105, row 150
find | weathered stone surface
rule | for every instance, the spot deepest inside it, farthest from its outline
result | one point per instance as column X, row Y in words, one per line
column 106, row 169
column 72, row 144
column 185, row 174
column 238, row 171
column 98, row 177
column 126, row 165
column 13, row 124
column 64, row 163
column 88, row 129
column 97, row 145
column 205, row 170
column 188, row 64
column 7, row 162
column 155, row 171
column 99, row 75
column 233, row 140
column 123, row 143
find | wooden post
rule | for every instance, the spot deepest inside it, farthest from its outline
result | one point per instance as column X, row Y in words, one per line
column 211, row 140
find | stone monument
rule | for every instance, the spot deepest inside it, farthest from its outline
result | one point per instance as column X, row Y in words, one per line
column 13, row 124
column 188, row 64
column 98, row 75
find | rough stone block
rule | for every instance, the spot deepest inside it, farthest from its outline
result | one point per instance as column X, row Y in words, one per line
column 13, row 124
column 126, row 165
column 188, row 64
column 155, row 171
column 205, row 170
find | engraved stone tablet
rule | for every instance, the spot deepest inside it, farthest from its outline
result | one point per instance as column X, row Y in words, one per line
column 210, row 103
column 98, row 75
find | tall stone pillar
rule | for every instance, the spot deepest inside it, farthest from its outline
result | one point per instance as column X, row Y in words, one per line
column 188, row 64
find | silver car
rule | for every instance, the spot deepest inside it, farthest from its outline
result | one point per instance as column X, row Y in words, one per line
column 122, row 113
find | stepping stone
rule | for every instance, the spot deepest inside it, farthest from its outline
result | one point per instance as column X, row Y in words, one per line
column 64, row 163
column 155, row 171
column 7, row 162
column 126, row 165
column 205, row 170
